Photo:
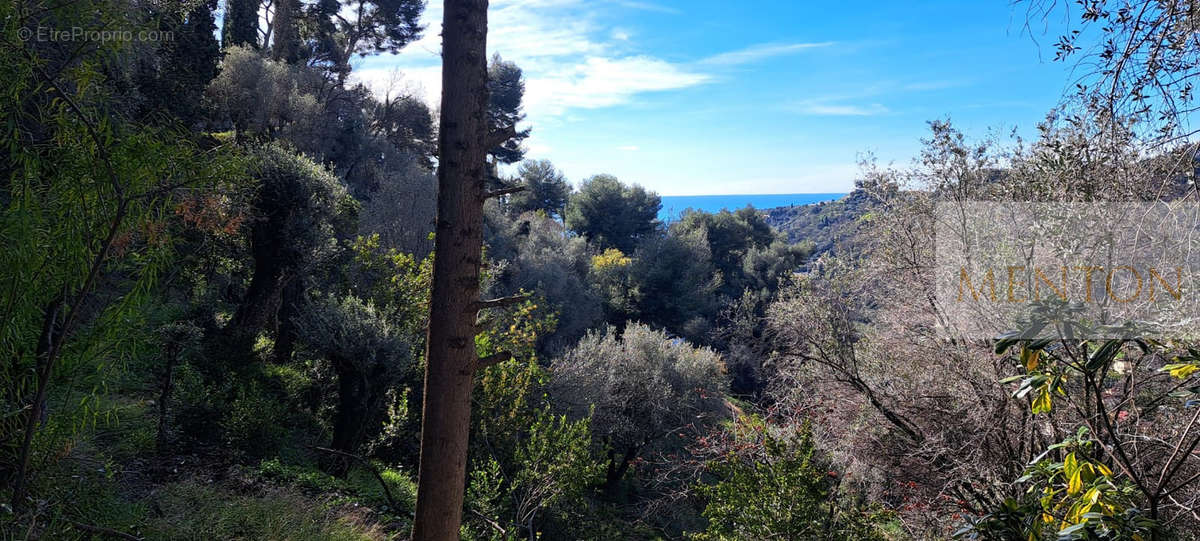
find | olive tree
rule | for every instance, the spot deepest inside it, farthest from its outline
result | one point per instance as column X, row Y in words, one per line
column 641, row 386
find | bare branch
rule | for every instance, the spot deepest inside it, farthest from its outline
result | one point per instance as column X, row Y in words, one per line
column 503, row 191
column 500, row 303
column 493, row 359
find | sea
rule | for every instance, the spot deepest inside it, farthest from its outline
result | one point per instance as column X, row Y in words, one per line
column 674, row 205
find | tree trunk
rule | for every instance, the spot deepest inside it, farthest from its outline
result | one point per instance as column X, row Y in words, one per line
column 259, row 309
column 287, row 333
column 450, row 342
column 354, row 396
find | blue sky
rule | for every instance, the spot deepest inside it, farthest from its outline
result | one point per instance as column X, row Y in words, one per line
column 708, row 97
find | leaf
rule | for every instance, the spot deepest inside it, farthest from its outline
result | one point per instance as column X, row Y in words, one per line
column 1042, row 404
column 1181, row 370
column 1070, row 530
column 1104, row 354
column 1030, row 358
column 1004, row 343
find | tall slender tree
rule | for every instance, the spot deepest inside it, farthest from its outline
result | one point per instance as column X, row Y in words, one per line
column 451, row 359
column 240, row 26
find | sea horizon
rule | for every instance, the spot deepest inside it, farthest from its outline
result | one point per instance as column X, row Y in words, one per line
column 673, row 206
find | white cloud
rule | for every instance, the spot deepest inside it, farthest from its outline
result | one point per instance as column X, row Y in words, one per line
column 818, row 108
column 755, row 53
column 629, row 148
column 647, row 6
column 570, row 62
column 603, row 82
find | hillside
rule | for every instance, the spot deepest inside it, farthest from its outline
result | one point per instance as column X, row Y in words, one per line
column 829, row 225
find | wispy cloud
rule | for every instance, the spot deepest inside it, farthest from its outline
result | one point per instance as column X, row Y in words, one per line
column 569, row 60
column 629, row 148
column 820, row 108
column 647, row 6
column 602, row 82
column 762, row 51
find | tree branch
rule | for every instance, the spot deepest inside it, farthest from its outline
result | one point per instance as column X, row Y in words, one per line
column 500, row 303
column 387, row 492
column 495, row 525
column 493, row 359
column 498, row 136
column 503, row 191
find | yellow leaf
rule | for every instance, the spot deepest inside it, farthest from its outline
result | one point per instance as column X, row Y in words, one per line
column 1074, row 484
column 1182, row 371
column 1030, row 357
column 1041, row 404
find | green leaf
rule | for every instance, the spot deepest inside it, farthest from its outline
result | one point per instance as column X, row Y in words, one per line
column 1104, row 354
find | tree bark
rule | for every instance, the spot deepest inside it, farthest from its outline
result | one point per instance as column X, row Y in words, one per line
column 450, row 341
column 354, row 397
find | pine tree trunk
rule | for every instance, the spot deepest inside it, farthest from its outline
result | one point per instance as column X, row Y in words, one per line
column 450, row 343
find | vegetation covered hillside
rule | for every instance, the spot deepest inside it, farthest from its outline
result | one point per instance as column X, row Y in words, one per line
column 828, row 225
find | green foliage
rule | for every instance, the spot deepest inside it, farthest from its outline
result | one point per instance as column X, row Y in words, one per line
column 1078, row 497
column 535, row 252
column 193, row 511
column 675, row 284
column 1087, row 486
column 533, row 465
column 254, row 422
column 506, row 90
column 86, row 219
column 774, row 484
column 360, row 484
column 611, row 214
column 546, row 189
column 396, row 283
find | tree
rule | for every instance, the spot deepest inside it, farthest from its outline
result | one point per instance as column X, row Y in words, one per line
column 172, row 80
column 450, row 356
column 506, row 90
column 534, row 253
column 406, row 123
column 297, row 208
column 643, row 386
column 546, row 189
column 674, row 285
column 240, row 26
column 285, row 38
column 612, row 215
column 362, row 27
column 368, row 355
column 86, row 218
column 1136, row 73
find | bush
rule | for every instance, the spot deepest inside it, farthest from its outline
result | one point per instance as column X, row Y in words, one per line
column 769, row 483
